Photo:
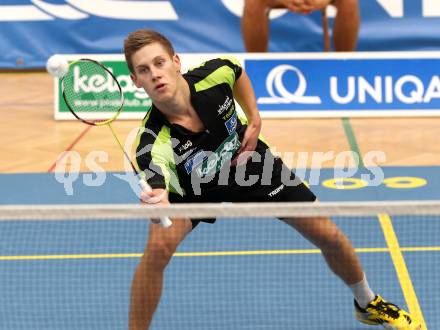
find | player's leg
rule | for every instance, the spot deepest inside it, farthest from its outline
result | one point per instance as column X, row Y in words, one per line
column 335, row 246
column 147, row 282
column 285, row 186
column 255, row 25
column 346, row 25
column 342, row 260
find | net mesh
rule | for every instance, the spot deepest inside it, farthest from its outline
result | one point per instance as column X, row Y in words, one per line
column 71, row 267
column 89, row 88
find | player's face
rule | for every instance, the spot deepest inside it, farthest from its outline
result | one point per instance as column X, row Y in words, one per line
column 156, row 71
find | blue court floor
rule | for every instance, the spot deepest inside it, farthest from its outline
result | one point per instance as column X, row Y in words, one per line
column 234, row 274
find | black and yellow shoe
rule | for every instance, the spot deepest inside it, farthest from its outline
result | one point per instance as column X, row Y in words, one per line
column 388, row 315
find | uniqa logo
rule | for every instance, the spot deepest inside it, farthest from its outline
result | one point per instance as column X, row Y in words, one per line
column 98, row 83
column 407, row 89
column 280, row 94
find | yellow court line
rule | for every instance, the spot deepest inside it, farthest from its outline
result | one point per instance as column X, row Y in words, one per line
column 244, row 253
column 420, row 249
column 265, row 252
column 203, row 254
column 401, row 269
column 73, row 256
column 177, row 254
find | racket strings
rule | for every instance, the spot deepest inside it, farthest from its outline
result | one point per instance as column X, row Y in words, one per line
column 91, row 90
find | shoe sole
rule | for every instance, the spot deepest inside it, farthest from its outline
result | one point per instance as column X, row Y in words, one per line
column 419, row 327
column 366, row 321
column 369, row 322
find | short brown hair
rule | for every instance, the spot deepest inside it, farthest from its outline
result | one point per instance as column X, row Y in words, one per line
column 140, row 38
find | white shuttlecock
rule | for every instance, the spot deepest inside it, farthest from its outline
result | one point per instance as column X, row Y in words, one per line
column 57, row 66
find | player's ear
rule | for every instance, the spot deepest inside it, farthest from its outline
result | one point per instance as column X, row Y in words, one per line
column 135, row 80
column 177, row 63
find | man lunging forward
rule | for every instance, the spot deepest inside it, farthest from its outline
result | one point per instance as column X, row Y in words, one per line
column 192, row 147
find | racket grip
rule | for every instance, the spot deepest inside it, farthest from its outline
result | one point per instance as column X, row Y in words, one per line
column 164, row 221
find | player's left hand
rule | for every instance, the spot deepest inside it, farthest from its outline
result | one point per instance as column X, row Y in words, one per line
column 154, row 196
column 248, row 144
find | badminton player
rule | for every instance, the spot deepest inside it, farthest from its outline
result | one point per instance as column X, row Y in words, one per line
column 194, row 147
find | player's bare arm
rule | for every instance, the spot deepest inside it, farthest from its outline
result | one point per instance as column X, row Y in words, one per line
column 245, row 96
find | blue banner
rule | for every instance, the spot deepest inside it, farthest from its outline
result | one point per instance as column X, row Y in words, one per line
column 363, row 84
column 32, row 30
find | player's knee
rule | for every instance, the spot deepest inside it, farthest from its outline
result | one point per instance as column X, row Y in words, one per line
column 158, row 255
column 323, row 233
column 330, row 240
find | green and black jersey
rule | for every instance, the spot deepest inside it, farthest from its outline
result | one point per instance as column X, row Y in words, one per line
column 173, row 157
column 170, row 155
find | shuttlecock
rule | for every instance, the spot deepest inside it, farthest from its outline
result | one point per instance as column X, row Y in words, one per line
column 57, row 66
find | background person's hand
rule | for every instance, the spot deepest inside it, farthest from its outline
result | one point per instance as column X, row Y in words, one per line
column 303, row 6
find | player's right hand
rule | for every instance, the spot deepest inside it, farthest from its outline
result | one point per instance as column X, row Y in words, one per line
column 154, row 196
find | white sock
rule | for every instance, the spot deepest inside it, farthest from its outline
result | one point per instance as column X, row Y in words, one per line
column 362, row 292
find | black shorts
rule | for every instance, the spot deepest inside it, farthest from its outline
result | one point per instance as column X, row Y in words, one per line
column 284, row 186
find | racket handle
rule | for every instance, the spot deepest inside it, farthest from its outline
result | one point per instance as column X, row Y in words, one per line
column 164, row 221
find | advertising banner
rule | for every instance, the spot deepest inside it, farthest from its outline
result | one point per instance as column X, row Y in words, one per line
column 136, row 101
column 33, row 30
column 358, row 84
column 305, row 85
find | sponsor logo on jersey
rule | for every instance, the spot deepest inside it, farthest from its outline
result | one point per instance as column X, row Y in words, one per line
column 185, row 146
column 194, row 161
column 231, row 123
column 276, row 191
column 225, row 106
column 217, row 159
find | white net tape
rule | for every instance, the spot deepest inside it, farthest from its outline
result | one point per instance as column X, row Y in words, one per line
column 212, row 210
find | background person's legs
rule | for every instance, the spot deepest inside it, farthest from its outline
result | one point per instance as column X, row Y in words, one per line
column 255, row 25
column 346, row 25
